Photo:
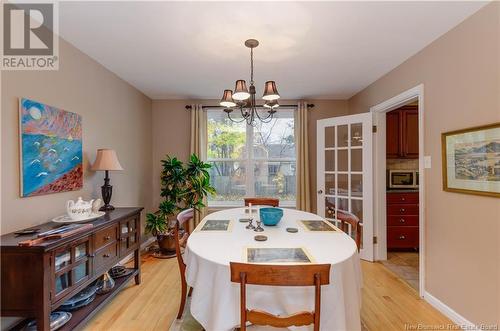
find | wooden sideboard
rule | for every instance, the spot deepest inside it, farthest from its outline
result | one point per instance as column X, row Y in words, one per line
column 402, row 220
column 36, row 280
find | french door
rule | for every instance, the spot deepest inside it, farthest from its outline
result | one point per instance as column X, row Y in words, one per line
column 345, row 172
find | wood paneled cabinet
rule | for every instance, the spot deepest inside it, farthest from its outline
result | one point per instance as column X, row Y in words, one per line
column 38, row 279
column 402, row 133
column 402, row 220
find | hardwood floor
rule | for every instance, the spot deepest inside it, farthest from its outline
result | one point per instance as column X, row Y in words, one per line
column 388, row 302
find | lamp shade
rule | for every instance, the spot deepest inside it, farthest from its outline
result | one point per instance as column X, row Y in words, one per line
column 240, row 90
column 227, row 99
column 106, row 159
column 270, row 91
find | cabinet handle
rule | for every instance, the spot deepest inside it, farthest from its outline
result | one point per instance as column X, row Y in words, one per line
column 320, row 192
column 123, row 239
column 402, row 220
column 90, row 255
column 402, row 237
column 402, row 210
column 403, row 199
column 106, row 255
column 107, row 238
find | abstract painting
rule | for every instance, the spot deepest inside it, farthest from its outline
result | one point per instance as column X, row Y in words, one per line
column 277, row 255
column 471, row 160
column 51, row 149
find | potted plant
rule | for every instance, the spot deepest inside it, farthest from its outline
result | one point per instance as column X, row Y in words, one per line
column 183, row 186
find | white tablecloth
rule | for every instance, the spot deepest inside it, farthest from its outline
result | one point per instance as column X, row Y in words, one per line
column 215, row 301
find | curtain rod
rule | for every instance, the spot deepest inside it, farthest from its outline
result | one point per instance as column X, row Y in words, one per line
column 309, row 105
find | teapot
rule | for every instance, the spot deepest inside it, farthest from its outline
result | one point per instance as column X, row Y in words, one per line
column 80, row 209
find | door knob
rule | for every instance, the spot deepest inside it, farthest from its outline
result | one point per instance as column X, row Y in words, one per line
column 320, row 192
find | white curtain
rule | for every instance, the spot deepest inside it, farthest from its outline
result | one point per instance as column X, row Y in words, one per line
column 303, row 190
column 199, row 146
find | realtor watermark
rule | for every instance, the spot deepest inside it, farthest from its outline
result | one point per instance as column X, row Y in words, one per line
column 421, row 326
column 30, row 35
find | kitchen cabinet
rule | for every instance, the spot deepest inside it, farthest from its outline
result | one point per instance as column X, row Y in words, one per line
column 402, row 133
column 402, row 220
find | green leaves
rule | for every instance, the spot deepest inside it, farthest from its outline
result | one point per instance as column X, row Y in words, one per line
column 182, row 186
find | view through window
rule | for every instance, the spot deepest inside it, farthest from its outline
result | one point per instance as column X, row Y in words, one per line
column 251, row 161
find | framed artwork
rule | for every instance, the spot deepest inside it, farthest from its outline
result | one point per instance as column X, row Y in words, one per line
column 50, row 149
column 216, row 226
column 284, row 255
column 471, row 160
column 317, row 226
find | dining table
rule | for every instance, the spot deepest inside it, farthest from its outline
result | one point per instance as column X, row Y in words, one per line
column 215, row 300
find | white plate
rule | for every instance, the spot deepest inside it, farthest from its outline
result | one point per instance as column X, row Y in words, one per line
column 67, row 219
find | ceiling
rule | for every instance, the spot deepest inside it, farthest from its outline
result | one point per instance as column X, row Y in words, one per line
column 330, row 50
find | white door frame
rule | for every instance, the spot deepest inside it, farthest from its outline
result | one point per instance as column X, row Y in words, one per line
column 379, row 185
column 366, row 119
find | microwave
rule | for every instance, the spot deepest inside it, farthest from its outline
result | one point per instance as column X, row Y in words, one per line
column 403, row 179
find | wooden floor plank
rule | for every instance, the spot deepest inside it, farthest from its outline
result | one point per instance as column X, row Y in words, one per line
column 388, row 302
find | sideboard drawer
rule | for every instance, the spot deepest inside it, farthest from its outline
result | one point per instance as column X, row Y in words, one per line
column 105, row 236
column 402, row 210
column 402, row 237
column 411, row 197
column 403, row 220
column 105, row 256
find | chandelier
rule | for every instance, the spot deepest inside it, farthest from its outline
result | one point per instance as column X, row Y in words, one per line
column 244, row 98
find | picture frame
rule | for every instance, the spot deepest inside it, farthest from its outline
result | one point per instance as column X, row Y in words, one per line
column 471, row 160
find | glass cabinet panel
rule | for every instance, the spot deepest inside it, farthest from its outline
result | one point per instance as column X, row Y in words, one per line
column 62, row 259
column 81, row 251
column 80, row 272
column 62, row 282
column 124, row 228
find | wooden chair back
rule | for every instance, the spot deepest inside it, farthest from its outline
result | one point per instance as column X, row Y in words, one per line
column 280, row 275
column 346, row 218
column 273, row 202
column 182, row 218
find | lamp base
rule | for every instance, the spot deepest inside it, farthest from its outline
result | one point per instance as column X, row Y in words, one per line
column 106, row 208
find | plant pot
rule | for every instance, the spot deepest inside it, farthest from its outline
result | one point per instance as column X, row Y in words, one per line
column 166, row 243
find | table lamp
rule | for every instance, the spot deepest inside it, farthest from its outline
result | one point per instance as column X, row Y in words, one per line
column 106, row 160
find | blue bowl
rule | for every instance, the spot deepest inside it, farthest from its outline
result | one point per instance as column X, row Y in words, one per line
column 270, row 216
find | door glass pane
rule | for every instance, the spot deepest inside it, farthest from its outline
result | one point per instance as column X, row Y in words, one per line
column 330, row 207
column 62, row 282
column 357, row 185
column 343, row 163
column 62, row 259
column 356, row 134
column 330, row 184
column 81, row 251
column 330, row 136
column 357, row 208
column 356, row 160
column 329, row 160
column 343, row 184
column 342, row 137
column 80, row 272
column 343, row 204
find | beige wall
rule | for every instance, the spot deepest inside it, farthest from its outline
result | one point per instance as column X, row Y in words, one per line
column 114, row 114
column 171, row 133
column 460, row 72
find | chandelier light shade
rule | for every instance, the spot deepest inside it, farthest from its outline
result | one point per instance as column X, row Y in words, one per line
column 240, row 90
column 227, row 99
column 271, row 91
column 244, row 98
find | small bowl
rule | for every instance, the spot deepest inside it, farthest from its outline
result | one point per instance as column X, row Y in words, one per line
column 270, row 216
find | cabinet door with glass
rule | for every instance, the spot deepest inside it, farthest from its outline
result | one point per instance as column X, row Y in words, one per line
column 71, row 266
column 129, row 235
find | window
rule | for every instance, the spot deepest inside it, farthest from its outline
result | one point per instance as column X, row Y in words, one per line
column 251, row 161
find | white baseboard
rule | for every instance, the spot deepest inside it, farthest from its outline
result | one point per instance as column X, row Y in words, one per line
column 461, row 321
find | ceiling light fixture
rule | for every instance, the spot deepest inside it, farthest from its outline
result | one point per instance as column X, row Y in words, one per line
column 244, row 98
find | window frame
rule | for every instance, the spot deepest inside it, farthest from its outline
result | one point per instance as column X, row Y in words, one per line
column 249, row 161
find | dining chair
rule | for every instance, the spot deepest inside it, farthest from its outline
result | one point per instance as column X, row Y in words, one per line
column 273, row 202
column 346, row 218
column 280, row 275
column 183, row 218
